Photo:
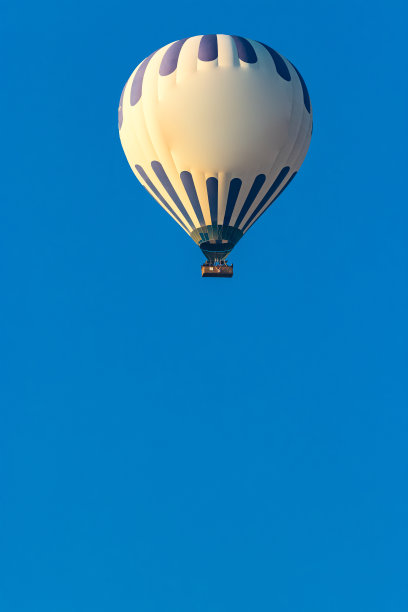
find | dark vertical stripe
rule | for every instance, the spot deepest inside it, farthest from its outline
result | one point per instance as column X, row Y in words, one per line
column 246, row 52
column 120, row 109
column 256, row 186
column 234, row 188
column 189, row 186
column 212, row 190
column 165, row 181
column 306, row 97
column 170, row 58
column 277, row 182
column 280, row 65
column 158, row 195
column 208, row 50
column 136, row 91
column 277, row 196
column 283, row 189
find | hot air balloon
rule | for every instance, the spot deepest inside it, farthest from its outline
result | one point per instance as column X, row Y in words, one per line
column 215, row 127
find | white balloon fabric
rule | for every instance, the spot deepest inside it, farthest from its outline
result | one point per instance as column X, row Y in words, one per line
column 215, row 127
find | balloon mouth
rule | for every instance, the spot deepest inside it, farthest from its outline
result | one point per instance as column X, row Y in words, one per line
column 216, row 251
column 216, row 241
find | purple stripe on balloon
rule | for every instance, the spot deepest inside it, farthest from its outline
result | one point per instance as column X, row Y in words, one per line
column 256, row 187
column 208, row 50
column 282, row 190
column 245, row 50
column 158, row 195
column 212, row 191
column 165, row 181
column 234, row 188
column 306, row 97
column 136, row 91
column 277, row 196
column 120, row 109
column 189, row 186
column 170, row 58
column 277, row 182
column 280, row 64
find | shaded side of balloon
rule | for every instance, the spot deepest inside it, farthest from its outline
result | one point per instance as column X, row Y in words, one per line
column 306, row 97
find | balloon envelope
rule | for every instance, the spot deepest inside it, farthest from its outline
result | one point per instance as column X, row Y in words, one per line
column 215, row 127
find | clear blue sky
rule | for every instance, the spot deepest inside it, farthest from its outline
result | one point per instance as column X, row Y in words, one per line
column 131, row 478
